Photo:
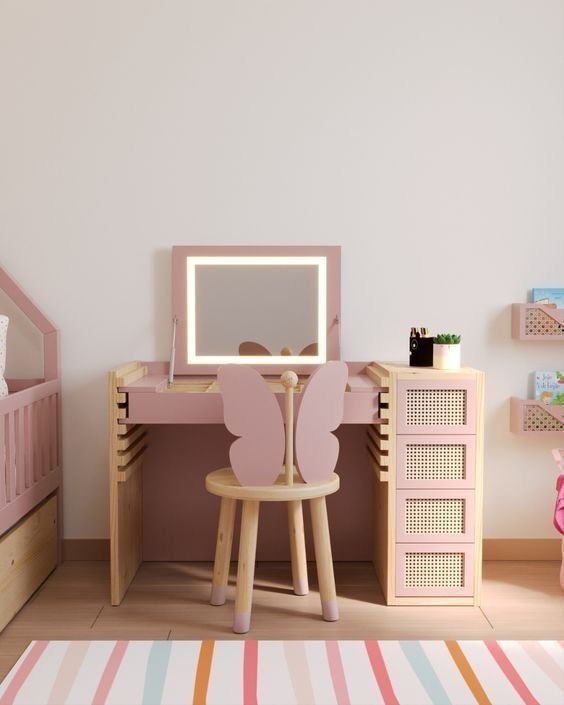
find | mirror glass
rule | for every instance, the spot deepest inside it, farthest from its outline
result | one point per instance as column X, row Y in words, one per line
column 263, row 310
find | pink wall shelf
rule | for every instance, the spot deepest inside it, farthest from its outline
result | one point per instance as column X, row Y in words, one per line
column 530, row 417
column 537, row 322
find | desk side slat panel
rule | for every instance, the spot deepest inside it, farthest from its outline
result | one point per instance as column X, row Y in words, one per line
column 127, row 447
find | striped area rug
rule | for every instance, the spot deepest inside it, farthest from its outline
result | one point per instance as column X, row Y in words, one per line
column 287, row 672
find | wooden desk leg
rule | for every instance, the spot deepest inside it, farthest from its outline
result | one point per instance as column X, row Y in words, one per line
column 298, row 548
column 127, row 446
column 223, row 550
column 246, row 568
column 324, row 559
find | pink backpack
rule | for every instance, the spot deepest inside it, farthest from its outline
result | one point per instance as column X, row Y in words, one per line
column 558, row 454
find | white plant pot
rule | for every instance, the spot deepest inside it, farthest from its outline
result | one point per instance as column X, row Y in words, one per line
column 446, row 357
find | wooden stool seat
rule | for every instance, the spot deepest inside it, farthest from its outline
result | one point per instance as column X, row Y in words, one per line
column 223, row 483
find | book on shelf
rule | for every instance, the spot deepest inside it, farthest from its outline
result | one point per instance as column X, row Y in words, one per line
column 549, row 387
column 549, row 297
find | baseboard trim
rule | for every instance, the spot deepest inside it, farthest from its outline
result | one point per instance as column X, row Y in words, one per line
column 86, row 549
column 522, row 549
column 493, row 549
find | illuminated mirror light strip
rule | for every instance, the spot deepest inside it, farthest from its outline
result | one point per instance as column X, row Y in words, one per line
column 320, row 358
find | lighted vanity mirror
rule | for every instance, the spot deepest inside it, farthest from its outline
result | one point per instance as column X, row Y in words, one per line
column 252, row 306
column 263, row 309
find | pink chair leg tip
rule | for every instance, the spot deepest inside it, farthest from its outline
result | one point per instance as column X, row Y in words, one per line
column 217, row 595
column 242, row 622
column 301, row 586
column 330, row 611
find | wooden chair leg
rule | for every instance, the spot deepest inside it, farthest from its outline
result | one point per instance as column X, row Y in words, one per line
column 297, row 547
column 246, row 568
column 324, row 559
column 223, row 550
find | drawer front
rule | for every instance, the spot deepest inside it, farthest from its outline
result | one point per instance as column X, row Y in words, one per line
column 434, row 570
column 440, row 407
column 423, row 516
column 426, row 462
column 28, row 553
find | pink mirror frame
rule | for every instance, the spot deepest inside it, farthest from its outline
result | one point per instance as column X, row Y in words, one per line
column 332, row 253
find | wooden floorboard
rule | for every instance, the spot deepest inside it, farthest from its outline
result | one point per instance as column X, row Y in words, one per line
column 170, row 601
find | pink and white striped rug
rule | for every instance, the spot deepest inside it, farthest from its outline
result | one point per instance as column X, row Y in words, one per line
column 287, row 672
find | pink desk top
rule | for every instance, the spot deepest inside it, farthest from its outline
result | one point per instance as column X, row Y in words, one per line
column 151, row 402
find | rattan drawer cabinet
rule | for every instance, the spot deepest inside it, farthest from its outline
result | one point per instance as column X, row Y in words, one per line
column 427, row 457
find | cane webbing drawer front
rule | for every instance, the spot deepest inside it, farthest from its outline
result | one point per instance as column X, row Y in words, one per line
column 434, row 570
column 436, row 407
column 435, row 515
column 446, row 461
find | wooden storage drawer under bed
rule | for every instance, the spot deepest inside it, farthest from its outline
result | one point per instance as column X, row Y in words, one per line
column 28, row 554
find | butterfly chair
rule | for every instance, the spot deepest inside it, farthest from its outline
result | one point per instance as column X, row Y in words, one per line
column 262, row 470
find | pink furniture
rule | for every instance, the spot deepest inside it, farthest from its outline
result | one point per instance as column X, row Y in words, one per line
column 427, row 460
column 532, row 322
column 558, row 455
column 537, row 322
column 30, row 461
column 165, row 438
column 529, row 417
column 263, row 470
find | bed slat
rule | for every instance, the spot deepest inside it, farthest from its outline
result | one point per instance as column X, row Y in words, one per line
column 29, row 445
column 20, row 451
column 53, row 427
column 28, row 448
column 10, row 458
column 46, row 436
column 35, row 442
column 39, row 439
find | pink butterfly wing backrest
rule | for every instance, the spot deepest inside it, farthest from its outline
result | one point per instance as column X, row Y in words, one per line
column 250, row 411
column 320, row 413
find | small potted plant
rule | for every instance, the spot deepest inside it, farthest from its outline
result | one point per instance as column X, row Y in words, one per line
column 446, row 351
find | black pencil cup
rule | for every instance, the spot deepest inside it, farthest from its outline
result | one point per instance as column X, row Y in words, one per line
column 420, row 351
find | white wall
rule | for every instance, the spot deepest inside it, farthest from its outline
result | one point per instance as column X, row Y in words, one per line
column 25, row 342
column 427, row 138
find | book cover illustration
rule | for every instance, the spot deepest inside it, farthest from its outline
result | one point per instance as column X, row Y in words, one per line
column 549, row 387
column 549, row 296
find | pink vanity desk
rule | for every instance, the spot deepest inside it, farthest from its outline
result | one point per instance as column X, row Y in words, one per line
column 410, row 441
column 163, row 441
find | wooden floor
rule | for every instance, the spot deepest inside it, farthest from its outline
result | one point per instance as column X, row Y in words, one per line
column 521, row 600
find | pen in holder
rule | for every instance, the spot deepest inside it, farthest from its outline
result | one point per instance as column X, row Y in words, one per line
column 420, row 348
